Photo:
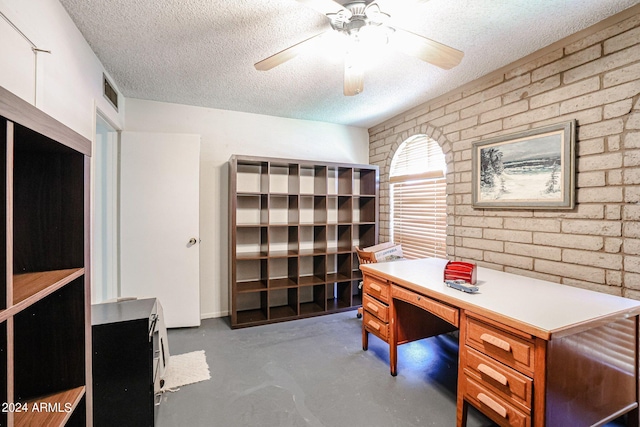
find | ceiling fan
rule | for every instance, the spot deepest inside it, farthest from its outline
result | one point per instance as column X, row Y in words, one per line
column 359, row 22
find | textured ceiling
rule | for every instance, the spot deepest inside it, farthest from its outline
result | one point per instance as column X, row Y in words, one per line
column 201, row 52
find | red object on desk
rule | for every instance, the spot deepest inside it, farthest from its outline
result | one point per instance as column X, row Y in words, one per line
column 458, row 270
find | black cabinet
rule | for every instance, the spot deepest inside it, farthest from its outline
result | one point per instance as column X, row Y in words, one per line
column 126, row 356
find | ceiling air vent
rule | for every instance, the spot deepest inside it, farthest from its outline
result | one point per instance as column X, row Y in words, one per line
column 110, row 92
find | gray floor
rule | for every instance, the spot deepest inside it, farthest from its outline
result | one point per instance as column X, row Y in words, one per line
column 313, row 372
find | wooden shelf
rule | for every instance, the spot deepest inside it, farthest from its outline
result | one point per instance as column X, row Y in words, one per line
column 282, row 312
column 45, row 339
column 56, row 409
column 252, row 286
column 251, row 317
column 35, row 286
column 310, row 280
column 282, row 283
column 293, row 228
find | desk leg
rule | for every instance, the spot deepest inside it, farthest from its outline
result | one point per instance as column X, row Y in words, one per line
column 633, row 419
column 393, row 340
column 461, row 412
column 461, row 405
column 365, row 338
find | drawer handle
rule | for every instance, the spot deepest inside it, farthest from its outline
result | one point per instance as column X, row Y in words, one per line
column 372, row 307
column 492, row 373
column 376, row 288
column 495, row 406
column 496, row 342
column 374, row 325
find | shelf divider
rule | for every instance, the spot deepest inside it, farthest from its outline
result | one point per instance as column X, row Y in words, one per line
column 56, row 409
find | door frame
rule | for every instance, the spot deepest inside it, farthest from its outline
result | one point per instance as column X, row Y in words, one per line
column 105, row 207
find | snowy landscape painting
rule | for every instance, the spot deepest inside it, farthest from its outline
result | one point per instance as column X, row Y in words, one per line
column 531, row 169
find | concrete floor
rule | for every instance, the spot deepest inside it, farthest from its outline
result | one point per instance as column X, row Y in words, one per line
column 313, row 372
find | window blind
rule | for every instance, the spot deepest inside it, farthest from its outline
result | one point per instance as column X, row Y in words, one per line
column 418, row 199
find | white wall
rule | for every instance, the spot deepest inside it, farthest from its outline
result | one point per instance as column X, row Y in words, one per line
column 225, row 133
column 67, row 83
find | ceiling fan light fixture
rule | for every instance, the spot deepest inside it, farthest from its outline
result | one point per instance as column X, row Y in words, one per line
column 333, row 46
column 366, row 28
column 375, row 35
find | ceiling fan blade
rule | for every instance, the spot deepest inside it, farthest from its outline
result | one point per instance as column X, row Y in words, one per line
column 323, row 6
column 426, row 49
column 353, row 75
column 287, row 54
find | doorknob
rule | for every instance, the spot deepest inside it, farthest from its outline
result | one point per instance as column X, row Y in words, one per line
column 193, row 241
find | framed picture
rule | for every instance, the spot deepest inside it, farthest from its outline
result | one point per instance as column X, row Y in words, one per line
column 527, row 170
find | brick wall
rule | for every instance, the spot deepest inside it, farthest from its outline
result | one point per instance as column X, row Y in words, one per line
column 593, row 77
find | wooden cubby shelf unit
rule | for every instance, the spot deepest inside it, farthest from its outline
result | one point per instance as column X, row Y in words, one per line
column 293, row 228
column 45, row 319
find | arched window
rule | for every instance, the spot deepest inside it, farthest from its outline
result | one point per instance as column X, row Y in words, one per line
column 418, row 198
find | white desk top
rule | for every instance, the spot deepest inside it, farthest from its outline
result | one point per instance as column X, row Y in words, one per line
column 544, row 309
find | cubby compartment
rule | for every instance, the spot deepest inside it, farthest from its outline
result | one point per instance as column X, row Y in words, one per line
column 339, row 209
column 312, row 270
column 251, row 242
column 312, row 299
column 49, row 342
column 283, row 272
column 364, row 209
column 338, row 295
column 252, row 209
column 294, row 225
column 332, row 210
column 283, row 240
column 312, row 210
column 345, row 180
column 365, row 182
column 338, row 267
column 313, row 240
column 313, row 179
column 345, row 209
column 283, row 303
column 251, row 275
column 339, row 238
column 252, row 177
column 48, row 204
column 284, row 178
column 283, row 209
column 251, row 307
column 340, row 180
column 365, row 235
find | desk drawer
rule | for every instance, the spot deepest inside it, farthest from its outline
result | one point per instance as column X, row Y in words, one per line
column 507, row 348
column 375, row 326
column 376, row 288
column 375, row 307
column 509, row 382
column 493, row 406
column 444, row 311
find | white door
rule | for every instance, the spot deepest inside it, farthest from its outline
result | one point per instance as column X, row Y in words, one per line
column 159, row 222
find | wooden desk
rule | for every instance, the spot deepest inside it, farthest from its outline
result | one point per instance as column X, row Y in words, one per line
column 532, row 353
